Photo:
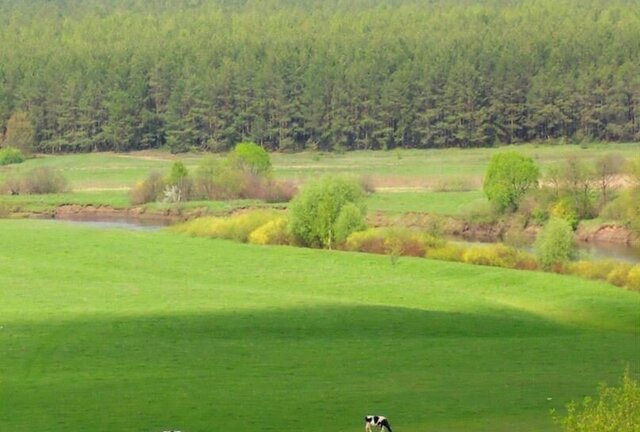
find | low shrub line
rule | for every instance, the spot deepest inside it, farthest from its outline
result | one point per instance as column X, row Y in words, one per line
column 270, row 227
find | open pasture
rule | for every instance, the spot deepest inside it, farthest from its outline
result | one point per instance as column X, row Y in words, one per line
column 438, row 181
column 104, row 330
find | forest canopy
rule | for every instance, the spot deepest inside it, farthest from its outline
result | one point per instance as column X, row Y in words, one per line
column 305, row 74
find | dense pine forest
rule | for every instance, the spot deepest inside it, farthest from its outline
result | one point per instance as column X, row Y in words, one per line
column 87, row 75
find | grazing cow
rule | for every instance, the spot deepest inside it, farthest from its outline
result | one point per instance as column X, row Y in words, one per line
column 374, row 420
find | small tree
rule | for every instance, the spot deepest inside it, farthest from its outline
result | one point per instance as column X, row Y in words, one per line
column 251, row 157
column 509, row 176
column 617, row 409
column 324, row 211
column 607, row 167
column 555, row 243
column 178, row 184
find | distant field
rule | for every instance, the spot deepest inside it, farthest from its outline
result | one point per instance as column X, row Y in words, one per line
column 112, row 330
column 404, row 179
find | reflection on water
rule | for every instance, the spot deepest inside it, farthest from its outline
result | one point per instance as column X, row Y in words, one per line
column 127, row 224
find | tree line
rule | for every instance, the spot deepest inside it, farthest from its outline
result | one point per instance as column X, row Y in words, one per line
column 291, row 75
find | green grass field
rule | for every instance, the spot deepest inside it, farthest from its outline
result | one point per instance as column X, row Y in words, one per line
column 113, row 330
column 436, row 181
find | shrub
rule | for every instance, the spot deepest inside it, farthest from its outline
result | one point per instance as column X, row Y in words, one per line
column 205, row 177
column 314, row 212
column 403, row 241
column 10, row 155
column 509, row 176
column 619, row 274
column 371, row 241
column 349, row 220
column 448, row 252
column 148, row 190
column 251, row 157
column 179, row 185
column 555, row 243
column 499, row 255
column 274, row 232
column 280, row 191
column 633, row 278
column 617, row 409
column 590, row 269
column 42, row 180
column 238, row 227
column 564, row 209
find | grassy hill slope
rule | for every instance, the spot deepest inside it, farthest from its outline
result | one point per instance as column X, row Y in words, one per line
column 104, row 330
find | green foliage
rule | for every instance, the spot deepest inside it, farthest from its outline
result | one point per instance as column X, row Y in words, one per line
column 350, row 219
column 10, row 155
column 616, row 409
column 509, row 176
column 251, row 157
column 178, row 173
column 564, row 209
column 317, row 208
column 555, row 244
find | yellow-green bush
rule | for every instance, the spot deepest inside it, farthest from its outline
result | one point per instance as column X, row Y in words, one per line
column 237, row 227
column 274, row 232
column 448, row 252
column 619, row 274
column 591, row 269
column 499, row 255
column 633, row 278
column 565, row 209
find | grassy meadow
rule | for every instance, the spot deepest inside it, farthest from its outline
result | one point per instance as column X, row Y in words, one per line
column 446, row 181
column 114, row 330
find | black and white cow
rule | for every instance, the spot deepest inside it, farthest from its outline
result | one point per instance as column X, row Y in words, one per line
column 375, row 420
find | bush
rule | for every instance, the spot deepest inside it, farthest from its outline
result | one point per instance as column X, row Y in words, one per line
column 179, row 185
column 315, row 211
column 349, row 220
column 499, row 255
column 633, row 278
column 274, row 232
column 400, row 241
column 42, row 180
column 10, row 155
column 555, row 243
column 590, row 269
column 249, row 156
column 148, row 190
column 564, row 209
column 449, row 252
column 617, row 409
column 370, row 241
column 238, row 227
column 619, row 274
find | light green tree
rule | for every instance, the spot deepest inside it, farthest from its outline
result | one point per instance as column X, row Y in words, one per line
column 327, row 210
column 555, row 243
column 509, row 176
